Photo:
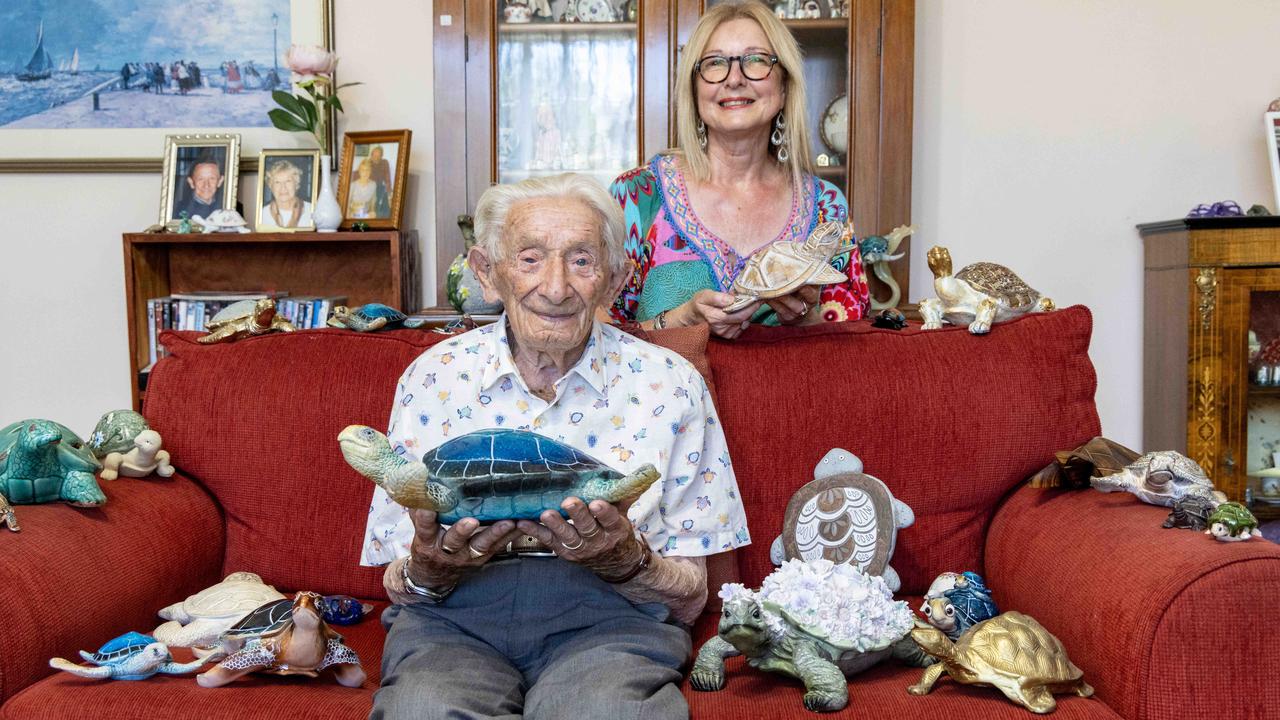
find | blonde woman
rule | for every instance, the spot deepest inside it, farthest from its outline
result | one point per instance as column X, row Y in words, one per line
column 367, row 197
column 740, row 178
column 286, row 209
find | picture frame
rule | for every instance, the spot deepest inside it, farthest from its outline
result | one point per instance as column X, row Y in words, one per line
column 80, row 148
column 368, row 200
column 200, row 174
column 1272, row 125
column 282, row 171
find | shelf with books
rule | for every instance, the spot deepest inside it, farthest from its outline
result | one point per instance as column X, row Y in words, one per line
column 362, row 267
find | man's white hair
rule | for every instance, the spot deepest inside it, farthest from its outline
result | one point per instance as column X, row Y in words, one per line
column 496, row 203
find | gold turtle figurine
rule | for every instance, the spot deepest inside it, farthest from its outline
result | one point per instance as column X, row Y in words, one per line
column 1010, row 652
column 784, row 266
column 979, row 295
column 245, row 318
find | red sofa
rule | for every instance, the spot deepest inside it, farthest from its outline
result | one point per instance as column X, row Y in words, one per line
column 1164, row 623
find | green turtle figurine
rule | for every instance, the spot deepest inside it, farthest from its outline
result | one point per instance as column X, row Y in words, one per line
column 42, row 461
column 245, row 318
column 366, row 318
column 115, row 432
column 1232, row 522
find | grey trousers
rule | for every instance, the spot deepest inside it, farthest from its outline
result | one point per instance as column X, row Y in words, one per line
column 537, row 638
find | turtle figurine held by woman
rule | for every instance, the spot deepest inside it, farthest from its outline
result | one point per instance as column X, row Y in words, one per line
column 132, row 656
column 490, row 474
column 285, row 637
column 243, row 319
column 785, row 266
column 1011, row 652
column 979, row 295
column 366, row 318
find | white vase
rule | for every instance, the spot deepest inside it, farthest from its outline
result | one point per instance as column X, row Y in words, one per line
column 327, row 214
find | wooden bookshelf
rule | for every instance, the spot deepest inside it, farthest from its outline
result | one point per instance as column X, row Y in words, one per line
column 377, row 266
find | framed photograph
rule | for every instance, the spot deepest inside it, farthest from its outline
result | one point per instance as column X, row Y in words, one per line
column 371, row 178
column 95, row 86
column 1273, row 151
column 288, row 181
column 199, row 176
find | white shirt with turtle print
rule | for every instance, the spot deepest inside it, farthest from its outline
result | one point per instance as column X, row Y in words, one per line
column 626, row 403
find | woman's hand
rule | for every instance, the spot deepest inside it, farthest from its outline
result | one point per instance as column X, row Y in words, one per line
column 439, row 558
column 707, row 306
column 796, row 308
column 601, row 538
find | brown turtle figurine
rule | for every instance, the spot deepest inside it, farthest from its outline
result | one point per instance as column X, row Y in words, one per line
column 284, row 637
column 784, row 266
column 1010, row 652
column 245, row 318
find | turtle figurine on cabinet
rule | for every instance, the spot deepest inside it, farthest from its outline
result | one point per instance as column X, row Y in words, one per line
column 979, row 295
column 243, row 319
column 132, row 656
column 1011, row 652
column 527, row 474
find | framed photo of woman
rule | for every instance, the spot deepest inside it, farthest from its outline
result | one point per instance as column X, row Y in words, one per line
column 200, row 174
column 288, row 181
column 371, row 178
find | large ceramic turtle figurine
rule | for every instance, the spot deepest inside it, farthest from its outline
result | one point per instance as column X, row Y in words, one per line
column 810, row 620
column 1011, row 652
column 844, row 516
column 786, row 265
column 201, row 619
column 1161, row 478
column 115, row 432
column 42, row 461
column 132, row 656
column 490, row 474
column 366, row 318
column 285, row 637
column 979, row 295
column 245, row 318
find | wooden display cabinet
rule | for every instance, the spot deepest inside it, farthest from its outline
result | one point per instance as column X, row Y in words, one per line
column 377, row 266
column 1207, row 284
column 601, row 94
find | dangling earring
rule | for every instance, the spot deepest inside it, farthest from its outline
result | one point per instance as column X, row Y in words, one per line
column 702, row 134
column 779, row 139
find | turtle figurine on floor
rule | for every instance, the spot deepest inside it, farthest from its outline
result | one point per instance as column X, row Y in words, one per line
column 366, row 318
column 490, row 474
column 43, row 461
column 1011, row 652
column 284, row 637
column 132, row 656
column 817, row 621
column 979, row 295
column 200, row 620
column 115, row 432
column 243, row 319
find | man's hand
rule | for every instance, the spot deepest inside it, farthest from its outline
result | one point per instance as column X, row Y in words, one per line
column 439, row 558
column 601, row 538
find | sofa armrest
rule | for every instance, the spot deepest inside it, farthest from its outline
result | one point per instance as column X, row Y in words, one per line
column 1161, row 621
column 77, row 577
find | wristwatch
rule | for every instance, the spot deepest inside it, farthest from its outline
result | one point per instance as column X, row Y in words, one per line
column 433, row 597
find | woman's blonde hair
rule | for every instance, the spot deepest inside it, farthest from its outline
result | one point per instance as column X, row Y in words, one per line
column 796, row 133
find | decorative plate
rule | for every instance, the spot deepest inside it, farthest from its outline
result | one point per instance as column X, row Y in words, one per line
column 835, row 125
column 594, row 11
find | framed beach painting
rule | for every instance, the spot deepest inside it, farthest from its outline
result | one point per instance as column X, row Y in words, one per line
column 288, row 181
column 199, row 176
column 371, row 177
column 94, row 85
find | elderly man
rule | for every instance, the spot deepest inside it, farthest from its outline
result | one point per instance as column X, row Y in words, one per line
column 580, row 619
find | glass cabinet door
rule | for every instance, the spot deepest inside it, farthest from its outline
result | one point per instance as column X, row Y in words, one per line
column 1262, row 492
column 566, row 79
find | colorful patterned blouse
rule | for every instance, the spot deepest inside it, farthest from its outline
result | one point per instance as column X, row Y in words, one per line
column 675, row 255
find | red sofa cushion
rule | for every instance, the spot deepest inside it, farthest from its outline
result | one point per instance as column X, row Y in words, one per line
column 788, row 395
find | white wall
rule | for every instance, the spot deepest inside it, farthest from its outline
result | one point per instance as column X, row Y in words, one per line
column 1044, row 131
column 63, row 344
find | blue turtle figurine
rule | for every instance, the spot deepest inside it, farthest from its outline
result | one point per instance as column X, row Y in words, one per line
column 366, row 318
column 132, row 656
column 955, row 609
column 343, row 609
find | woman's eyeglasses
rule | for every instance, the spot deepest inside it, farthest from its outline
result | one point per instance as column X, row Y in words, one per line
column 715, row 68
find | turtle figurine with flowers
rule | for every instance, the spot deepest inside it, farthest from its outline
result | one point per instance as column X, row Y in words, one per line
column 814, row 620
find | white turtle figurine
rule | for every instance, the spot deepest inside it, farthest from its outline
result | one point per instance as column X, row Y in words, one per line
column 979, row 295
column 222, row 221
column 844, row 516
column 198, row 621
column 145, row 458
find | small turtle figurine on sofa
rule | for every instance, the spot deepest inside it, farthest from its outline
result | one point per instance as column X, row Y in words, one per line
column 245, row 318
column 366, row 318
column 1232, row 522
column 979, row 295
column 132, row 656
column 528, row 475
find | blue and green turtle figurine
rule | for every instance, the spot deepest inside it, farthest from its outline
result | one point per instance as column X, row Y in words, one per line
column 956, row 603
column 524, row 474
column 42, row 461
column 132, row 656
column 366, row 318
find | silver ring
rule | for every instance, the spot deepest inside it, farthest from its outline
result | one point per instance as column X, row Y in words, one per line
column 804, row 305
column 474, row 552
column 594, row 532
column 572, row 547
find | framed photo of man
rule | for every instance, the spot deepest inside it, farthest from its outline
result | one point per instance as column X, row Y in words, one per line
column 200, row 175
column 371, row 178
column 288, row 181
